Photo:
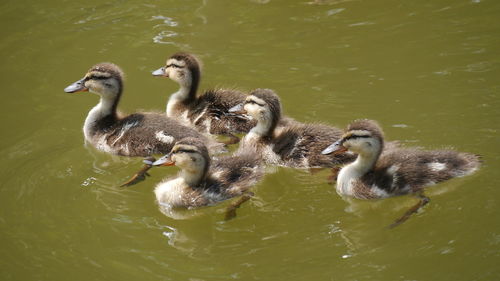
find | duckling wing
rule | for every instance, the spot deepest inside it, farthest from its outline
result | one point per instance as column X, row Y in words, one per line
column 301, row 144
column 143, row 134
column 401, row 171
column 236, row 174
column 212, row 111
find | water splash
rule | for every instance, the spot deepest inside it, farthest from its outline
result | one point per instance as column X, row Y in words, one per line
column 88, row 181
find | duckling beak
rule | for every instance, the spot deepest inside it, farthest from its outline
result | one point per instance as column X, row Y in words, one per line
column 238, row 109
column 164, row 161
column 160, row 72
column 78, row 86
column 335, row 148
column 149, row 160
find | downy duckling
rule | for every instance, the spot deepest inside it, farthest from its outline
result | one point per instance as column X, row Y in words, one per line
column 394, row 172
column 207, row 112
column 294, row 144
column 138, row 134
column 203, row 182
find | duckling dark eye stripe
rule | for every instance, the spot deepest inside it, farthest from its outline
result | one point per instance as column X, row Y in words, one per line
column 185, row 151
column 174, row 65
column 252, row 101
column 96, row 78
column 355, row 137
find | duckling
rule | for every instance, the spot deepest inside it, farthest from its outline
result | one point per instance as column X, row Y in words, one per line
column 138, row 134
column 203, row 182
column 293, row 144
column 394, row 172
column 207, row 112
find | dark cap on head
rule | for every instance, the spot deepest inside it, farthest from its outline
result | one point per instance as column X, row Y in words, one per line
column 190, row 59
column 367, row 125
column 199, row 144
column 110, row 68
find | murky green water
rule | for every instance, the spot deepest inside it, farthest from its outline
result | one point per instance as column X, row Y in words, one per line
column 427, row 70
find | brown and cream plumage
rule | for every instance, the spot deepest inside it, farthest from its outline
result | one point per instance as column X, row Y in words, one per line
column 203, row 181
column 138, row 134
column 287, row 143
column 207, row 112
column 379, row 173
column 396, row 171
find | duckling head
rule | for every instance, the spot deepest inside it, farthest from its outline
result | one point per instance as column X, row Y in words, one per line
column 104, row 79
column 264, row 106
column 189, row 154
column 363, row 137
column 182, row 68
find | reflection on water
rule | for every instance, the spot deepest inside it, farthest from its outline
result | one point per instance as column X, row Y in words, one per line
column 186, row 243
column 181, row 213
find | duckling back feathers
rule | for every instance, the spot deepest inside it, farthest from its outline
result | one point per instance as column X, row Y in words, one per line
column 234, row 174
column 139, row 134
column 300, row 145
column 209, row 113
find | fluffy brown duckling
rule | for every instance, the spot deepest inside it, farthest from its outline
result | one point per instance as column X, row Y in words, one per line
column 207, row 112
column 138, row 134
column 292, row 144
column 397, row 171
column 203, row 182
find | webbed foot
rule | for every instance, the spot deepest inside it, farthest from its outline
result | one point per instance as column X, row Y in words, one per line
column 424, row 200
column 231, row 209
column 141, row 174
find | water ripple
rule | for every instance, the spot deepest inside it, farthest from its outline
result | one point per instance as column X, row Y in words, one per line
column 361, row 23
column 167, row 21
column 160, row 37
column 334, row 11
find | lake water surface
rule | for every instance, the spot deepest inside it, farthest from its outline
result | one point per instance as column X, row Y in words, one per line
column 428, row 71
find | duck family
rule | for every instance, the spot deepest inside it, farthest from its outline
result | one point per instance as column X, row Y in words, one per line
column 186, row 136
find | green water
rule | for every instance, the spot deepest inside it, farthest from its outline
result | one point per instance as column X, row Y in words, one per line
column 428, row 71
